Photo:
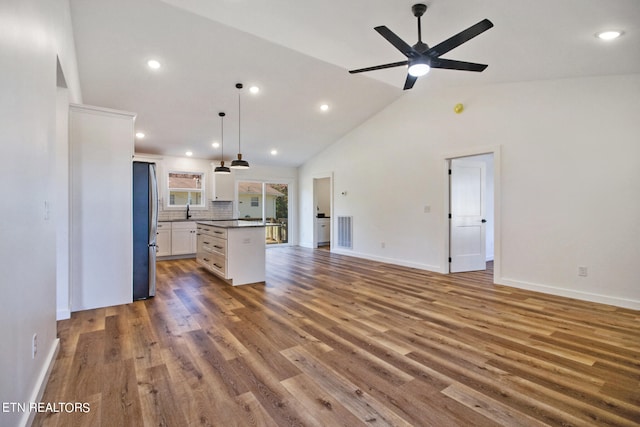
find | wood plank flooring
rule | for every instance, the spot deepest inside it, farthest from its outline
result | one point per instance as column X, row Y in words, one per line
column 332, row 340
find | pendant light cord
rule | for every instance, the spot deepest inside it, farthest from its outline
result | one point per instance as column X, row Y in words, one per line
column 239, row 149
column 222, row 138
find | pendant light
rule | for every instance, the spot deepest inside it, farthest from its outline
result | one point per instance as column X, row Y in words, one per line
column 222, row 169
column 239, row 163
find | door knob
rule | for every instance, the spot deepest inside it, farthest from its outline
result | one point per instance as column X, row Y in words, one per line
column 484, row 220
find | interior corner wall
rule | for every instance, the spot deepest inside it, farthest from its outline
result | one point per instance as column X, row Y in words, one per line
column 570, row 179
column 33, row 33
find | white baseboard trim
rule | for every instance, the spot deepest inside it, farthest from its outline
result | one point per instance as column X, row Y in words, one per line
column 308, row 245
column 570, row 293
column 419, row 266
column 41, row 383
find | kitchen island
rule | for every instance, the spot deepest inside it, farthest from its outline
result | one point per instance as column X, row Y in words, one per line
column 233, row 250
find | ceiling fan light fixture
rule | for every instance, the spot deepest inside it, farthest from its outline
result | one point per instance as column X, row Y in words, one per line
column 418, row 69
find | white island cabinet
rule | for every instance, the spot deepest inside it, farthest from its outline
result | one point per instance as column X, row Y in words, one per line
column 232, row 250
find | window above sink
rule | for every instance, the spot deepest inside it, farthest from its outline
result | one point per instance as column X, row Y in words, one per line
column 185, row 188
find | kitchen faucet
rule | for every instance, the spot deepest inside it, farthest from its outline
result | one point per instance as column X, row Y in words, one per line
column 188, row 215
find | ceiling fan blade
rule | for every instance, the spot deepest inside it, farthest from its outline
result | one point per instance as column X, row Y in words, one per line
column 399, row 44
column 458, row 39
column 451, row 64
column 379, row 67
column 411, row 80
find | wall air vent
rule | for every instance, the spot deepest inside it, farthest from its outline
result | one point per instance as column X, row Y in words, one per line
column 345, row 232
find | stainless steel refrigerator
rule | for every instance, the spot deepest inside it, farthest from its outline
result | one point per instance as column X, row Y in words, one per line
column 145, row 229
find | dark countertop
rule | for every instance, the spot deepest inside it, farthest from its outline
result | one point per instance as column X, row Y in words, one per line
column 231, row 223
column 193, row 220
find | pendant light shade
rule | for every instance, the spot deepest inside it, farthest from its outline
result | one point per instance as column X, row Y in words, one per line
column 239, row 163
column 222, row 169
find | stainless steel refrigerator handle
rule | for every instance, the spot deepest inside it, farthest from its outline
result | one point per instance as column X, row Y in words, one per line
column 153, row 232
column 153, row 198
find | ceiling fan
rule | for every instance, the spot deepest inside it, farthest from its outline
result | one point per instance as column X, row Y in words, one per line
column 420, row 57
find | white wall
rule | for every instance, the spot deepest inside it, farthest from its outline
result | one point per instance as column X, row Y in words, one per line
column 32, row 33
column 570, row 180
column 61, row 206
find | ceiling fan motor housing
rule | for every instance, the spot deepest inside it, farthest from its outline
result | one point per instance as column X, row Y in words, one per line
column 418, row 9
column 421, row 47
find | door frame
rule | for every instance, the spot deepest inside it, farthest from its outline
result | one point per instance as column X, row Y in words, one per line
column 263, row 182
column 326, row 175
column 446, row 157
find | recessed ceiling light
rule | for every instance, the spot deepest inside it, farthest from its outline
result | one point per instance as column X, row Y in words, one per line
column 189, row 153
column 324, row 107
column 152, row 63
column 215, row 145
column 140, row 135
column 274, row 152
column 609, row 35
column 254, row 89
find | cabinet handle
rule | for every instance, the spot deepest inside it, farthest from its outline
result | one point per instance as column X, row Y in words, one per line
column 206, row 243
column 206, row 259
column 218, row 247
column 218, row 232
column 219, row 266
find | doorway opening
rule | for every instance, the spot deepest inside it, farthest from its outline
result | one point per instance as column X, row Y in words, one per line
column 322, row 202
column 472, row 203
column 269, row 203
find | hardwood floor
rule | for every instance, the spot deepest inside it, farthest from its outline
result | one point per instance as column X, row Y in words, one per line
column 338, row 341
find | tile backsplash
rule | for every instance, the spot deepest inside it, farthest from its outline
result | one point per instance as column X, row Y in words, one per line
column 216, row 210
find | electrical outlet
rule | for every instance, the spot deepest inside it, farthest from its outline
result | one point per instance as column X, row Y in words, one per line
column 383, row 245
column 34, row 346
column 427, row 209
column 582, row 271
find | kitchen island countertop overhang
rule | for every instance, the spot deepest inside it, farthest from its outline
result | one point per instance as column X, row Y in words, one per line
column 231, row 223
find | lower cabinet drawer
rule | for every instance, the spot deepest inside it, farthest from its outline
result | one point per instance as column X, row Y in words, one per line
column 213, row 244
column 214, row 262
column 219, row 264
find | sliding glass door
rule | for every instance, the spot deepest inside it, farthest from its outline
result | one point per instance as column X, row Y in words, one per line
column 268, row 202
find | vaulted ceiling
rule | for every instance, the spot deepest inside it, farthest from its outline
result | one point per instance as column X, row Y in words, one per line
column 298, row 53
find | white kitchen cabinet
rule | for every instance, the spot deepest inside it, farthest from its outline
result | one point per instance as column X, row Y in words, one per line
column 101, row 147
column 323, row 227
column 183, row 238
column 223, row 186
column 163, row 240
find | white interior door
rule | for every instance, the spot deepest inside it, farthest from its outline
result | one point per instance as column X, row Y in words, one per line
column 467, row 223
